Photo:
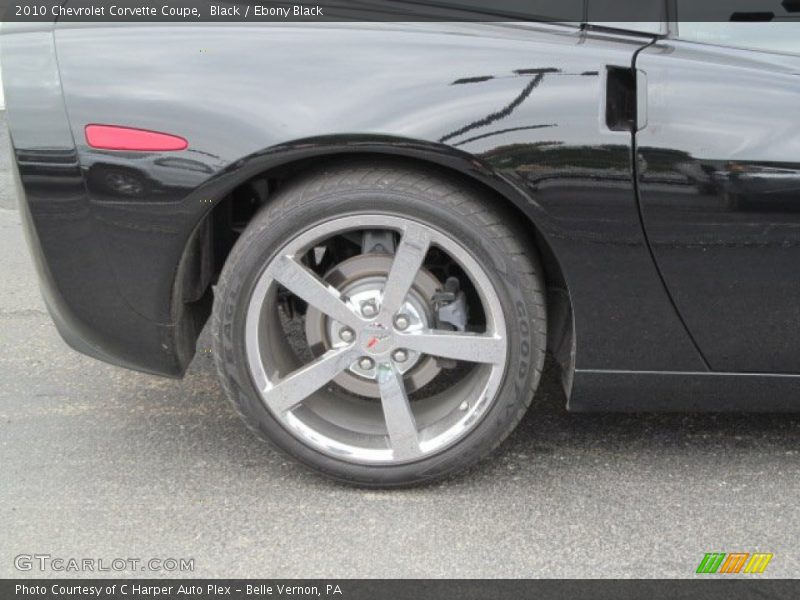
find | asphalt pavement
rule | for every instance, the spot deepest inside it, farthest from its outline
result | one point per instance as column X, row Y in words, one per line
column 98, row 462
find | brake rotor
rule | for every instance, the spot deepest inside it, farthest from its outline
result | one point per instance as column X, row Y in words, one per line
column 362, row 279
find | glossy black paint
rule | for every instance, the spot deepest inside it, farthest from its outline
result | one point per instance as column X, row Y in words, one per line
column 79, row 283
column 719, row 178
column 519, row 109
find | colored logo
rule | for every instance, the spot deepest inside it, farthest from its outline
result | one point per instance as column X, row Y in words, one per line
column 376, row 339
column 734, row 562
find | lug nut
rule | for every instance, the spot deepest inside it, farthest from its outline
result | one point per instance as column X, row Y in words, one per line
column 400, row 355
column 401, row 322
column 366, row 363
column 369, row 308
column 346, row 335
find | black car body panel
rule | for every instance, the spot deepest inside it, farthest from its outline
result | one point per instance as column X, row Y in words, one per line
column 719, row 178
column 523, row 109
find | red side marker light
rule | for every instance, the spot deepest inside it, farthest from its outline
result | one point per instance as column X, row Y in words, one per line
column 112, row 137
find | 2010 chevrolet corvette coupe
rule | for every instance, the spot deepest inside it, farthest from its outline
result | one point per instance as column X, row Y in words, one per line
column 388, row 225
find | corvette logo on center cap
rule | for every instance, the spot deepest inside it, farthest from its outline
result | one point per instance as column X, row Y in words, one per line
column 374, row 339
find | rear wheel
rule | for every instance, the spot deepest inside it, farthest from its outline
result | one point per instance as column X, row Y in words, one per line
column 383, row 325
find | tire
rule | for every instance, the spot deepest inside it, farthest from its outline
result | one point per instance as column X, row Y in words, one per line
column 460, row 218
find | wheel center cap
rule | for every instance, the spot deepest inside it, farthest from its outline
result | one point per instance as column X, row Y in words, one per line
column 375, row 339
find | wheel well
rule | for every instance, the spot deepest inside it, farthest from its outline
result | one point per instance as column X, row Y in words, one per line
column 218, row 232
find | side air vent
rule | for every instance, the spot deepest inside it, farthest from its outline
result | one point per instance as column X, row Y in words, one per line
column 620, row 99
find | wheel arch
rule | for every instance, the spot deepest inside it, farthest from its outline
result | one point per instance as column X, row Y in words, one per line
column 278, row 164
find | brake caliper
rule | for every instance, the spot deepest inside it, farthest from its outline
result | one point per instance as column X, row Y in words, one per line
column 450, row 312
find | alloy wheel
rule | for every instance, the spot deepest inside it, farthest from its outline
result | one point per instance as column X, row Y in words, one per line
column 370, row 357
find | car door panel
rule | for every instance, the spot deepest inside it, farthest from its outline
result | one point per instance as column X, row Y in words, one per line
column 719, row 188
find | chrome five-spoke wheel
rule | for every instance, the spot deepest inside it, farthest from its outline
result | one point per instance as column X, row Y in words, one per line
column 382, row 329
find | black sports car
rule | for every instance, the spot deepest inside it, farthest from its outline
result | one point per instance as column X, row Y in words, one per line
column 390, row 224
